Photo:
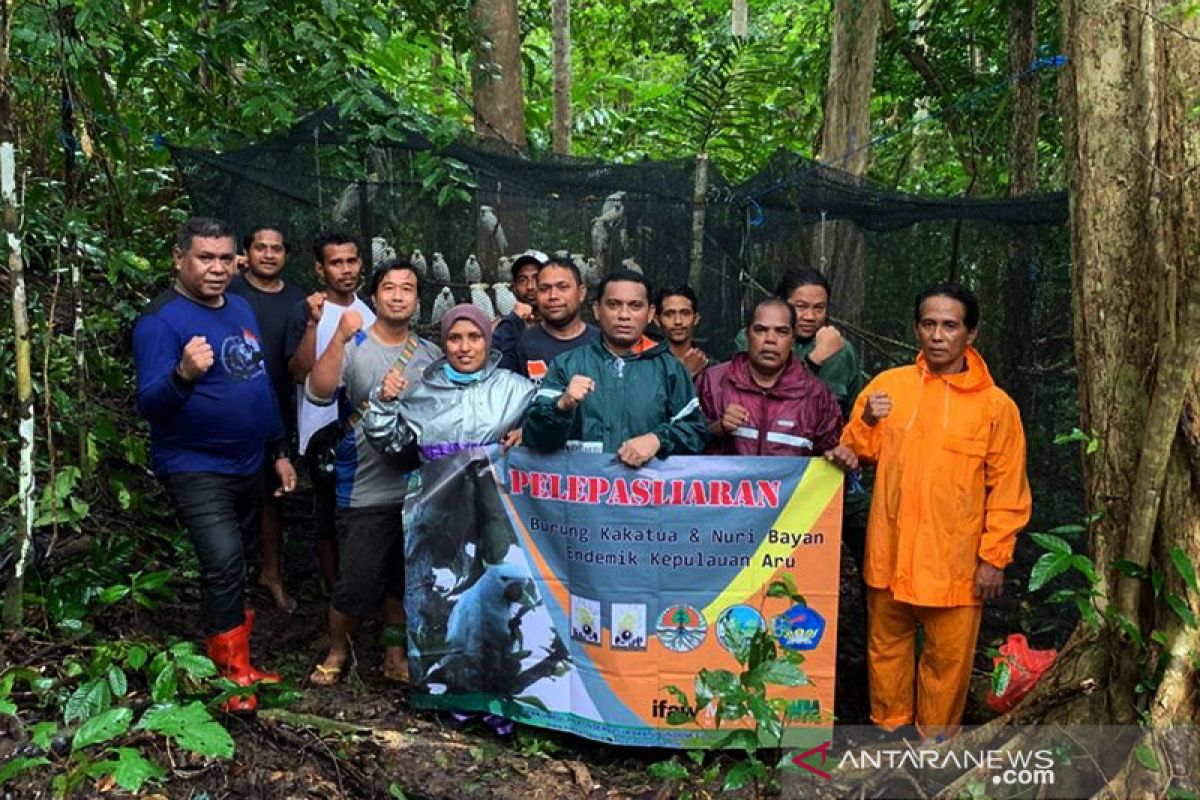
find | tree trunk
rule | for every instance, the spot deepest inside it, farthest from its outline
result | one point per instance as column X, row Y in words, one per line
column 1015, row 352
column 496, row 74
column 699, row 209
column 560, row 16
column 22, row 542
column 741, row 19
column 845, row 136
column 1133, row 151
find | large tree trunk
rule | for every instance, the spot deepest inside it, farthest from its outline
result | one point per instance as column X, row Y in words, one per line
column 22, row 542
column 845, row 136
column 560, row 20
column 496, row 74
column 1014, row 352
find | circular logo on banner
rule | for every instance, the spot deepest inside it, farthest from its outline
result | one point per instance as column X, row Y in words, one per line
column 681, row 628
column 736, row 627
column 799, row 628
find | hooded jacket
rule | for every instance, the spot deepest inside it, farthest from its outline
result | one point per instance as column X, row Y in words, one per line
column 443, row 416
column 950, row 488
column 635, row 394
column 798, row 416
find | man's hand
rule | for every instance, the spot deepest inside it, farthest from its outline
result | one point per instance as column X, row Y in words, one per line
column 287, row 476
column 579, row 387
column 695, row 360
column 196, row 360
column 878, row 406
column 511, row 439
column 523, row 310
column 393, row 384
column 826, row 344
column 350, row 324
column 735, row 416
column 843, row 458
column 315, row 303
column 638, row 450
column 989, row 581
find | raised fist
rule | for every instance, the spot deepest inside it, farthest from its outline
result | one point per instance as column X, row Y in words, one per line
column 196, row 360
column 878, row 406
column 316, row 305
column 735, row 416
column 694, row 361
column 579, row 387
column 350, row 324
column 826, row 344
column 393, row 384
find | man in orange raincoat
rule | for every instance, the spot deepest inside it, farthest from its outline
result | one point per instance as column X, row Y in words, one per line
column 950, row 497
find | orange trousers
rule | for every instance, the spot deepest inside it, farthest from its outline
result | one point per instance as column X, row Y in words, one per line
column 938, row 683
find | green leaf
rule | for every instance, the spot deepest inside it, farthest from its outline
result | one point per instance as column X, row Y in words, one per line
column 737, row 777
column 1156, row 581
column 117, row 681
column 677, row 694
column 103, row 727
column 1146, row 757
column 678, row 717
column 1074, row 529
column 1084, row 564
column 1000, row 678
column 112, row 594
column 667, row 770
column 1049, row 566
column 1185, row 568
column 396, row 792
column 136, row 657
column 133, row 769
column 195, row 665
column 151, row 580
column 1131, row 568
column 8, row 708
column 716, row 682
column 191, row 727
column 165, row 687
column 1181, row 609
column 15, row 766
column 1051, row 542
column 87, row 701
column 42, row 732
column 783, row 673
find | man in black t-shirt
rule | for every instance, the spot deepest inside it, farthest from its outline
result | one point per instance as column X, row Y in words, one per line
column 272, row 299
column 560, row 295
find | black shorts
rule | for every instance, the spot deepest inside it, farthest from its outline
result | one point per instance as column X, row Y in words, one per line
column 370, row 557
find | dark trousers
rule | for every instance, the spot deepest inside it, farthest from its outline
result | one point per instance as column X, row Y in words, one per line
column 371, row 558
column 221, row 516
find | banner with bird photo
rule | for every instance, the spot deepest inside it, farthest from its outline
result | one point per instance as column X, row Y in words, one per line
column 667, row 606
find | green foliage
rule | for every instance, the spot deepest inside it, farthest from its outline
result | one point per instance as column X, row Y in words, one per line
column 189, row 726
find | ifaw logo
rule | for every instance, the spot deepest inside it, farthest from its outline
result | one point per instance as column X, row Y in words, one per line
column 822, row 750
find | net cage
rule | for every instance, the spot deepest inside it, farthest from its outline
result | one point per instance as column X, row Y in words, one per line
column 474, row 207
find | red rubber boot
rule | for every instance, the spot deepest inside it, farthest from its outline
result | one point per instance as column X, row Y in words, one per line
column 265, row 677
column 230, row 651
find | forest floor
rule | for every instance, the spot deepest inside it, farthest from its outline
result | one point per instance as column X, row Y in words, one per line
column 360, row 739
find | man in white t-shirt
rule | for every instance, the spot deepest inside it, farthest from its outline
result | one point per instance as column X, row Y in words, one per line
column 310, row 329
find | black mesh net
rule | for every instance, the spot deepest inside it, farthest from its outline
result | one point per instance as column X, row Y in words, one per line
column 879, row 247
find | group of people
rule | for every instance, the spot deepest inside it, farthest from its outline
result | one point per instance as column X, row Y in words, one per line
column 237, row 374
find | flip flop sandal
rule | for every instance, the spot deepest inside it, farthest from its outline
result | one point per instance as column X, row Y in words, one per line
column 326, row 676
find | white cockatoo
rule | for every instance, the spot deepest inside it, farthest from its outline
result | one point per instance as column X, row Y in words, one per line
column 489, row 225
column 441, row 270
column 442, row 304
column 591, row 271
column 481, row 300
column 632, row 265
column 471, row 270
column 505, row 299
column 504, row 267
column 418, row 262
column 381, row 251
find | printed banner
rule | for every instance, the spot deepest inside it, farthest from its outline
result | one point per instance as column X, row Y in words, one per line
column 566, row 591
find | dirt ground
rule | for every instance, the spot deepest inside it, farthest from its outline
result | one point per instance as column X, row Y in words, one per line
column 359, row 738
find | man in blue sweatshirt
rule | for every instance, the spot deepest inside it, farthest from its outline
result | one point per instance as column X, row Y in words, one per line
column 204, row 388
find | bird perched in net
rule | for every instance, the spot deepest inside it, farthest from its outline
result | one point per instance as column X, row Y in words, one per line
column 471, row 270
column 504, row 266
column 441, row 270
column 505, row 299
column 418, row 262
column 489, row 225
column 381, row 251
column 632, row 265
column 480, row 299
column 591, row 271
column 442, row 304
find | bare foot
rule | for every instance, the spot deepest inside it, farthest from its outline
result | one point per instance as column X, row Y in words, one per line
column 283, row 600
column 329, row 670
column 395, row 665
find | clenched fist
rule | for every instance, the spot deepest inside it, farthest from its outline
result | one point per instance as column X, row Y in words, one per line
column 637, row 451
column 826, row 344
column 315, row 304
column 878, row 406
column 694, row 361
column 350, row 324
column 735, row 416
column 579, row 387
column 196, row 360
column 393, row 384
